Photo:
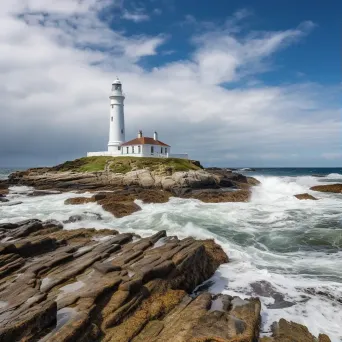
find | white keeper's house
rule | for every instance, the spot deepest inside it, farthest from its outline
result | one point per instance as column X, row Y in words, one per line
column 138, row 147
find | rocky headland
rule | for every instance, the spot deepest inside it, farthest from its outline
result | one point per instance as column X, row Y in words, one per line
column 118, row 182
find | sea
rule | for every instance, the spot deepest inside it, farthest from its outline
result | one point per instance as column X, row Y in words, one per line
column 285, row 251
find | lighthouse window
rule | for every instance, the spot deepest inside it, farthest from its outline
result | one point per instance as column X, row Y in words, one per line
column 121, row 131
column 117, row 86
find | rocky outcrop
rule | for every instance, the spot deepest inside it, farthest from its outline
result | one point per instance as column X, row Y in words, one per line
column 305, row 196
column 3, row 191
column 43, row 178
column 149, row 186
column 79, row 200
column 122, row 202
column 220, row 196
column 335, row 188
column 99, row 285
column 284, row 331
column 87, row 284
column 228, row 178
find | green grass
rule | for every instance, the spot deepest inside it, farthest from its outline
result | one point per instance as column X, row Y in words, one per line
column 126, row 164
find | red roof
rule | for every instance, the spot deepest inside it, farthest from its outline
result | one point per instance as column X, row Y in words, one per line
column 144, row 141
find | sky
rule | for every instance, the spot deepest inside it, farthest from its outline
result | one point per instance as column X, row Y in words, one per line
column 233, row 83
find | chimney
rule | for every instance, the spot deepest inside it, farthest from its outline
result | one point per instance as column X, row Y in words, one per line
column 155, row 136
column 140, row 134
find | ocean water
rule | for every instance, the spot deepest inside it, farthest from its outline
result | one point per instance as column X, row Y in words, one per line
column 285, row 251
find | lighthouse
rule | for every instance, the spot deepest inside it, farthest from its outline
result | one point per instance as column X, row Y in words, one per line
column 141, row 146
column 117, row 118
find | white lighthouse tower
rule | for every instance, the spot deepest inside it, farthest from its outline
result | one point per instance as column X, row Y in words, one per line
column 117, row 118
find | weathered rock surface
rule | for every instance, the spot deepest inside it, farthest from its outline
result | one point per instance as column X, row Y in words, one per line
column 99, row 285
column 79, row 200
column 87, row 285
column 284, row 331
column 305, row 196
column 228, row 178
column 335, row 188
column 220, row 196
column 3, row 189
column 176, row 183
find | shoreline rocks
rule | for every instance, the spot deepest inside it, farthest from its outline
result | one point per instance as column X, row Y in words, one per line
column 107, row 286
column 177, row 183
column 121, row 190
column 284, row 331
column 305, row 196
column 100, row 285
column 334, row 188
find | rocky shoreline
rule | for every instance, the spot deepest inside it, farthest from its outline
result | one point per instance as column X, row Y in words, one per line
column 117, row 192
column 100, row 285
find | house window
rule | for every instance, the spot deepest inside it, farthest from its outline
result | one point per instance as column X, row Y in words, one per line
column 165, row 150
column 132, row 149
column 127, row 149
column 152, row 149
column 161, row 150
column 111, row 118
column 139, row 149
column 119, row 148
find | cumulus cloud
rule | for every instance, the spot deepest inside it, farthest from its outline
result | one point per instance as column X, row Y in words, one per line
column 57, row 61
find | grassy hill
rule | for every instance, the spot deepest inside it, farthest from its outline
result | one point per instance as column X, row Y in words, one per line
column 126, row 164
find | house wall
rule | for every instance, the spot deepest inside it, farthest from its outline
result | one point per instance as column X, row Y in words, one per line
column 145, row 150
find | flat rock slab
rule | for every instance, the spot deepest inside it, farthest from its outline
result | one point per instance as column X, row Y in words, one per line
column 334, row 188
column 305, row 196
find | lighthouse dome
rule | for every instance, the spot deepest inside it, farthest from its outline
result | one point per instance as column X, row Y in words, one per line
column 117, row 81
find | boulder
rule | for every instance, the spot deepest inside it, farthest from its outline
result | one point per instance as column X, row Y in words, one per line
column 120, row 209
column 79, row 200
column 284, row 331
column 3, row 188
column 305, row 196
column 218, row 196
column 334, row 188
column 73, row 218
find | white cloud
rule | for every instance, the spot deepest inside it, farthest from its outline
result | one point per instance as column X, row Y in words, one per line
column 137, row 17
column 57, row 62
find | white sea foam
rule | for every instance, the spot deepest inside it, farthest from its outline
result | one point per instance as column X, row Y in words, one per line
column 293, row 245
column 334, row 176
